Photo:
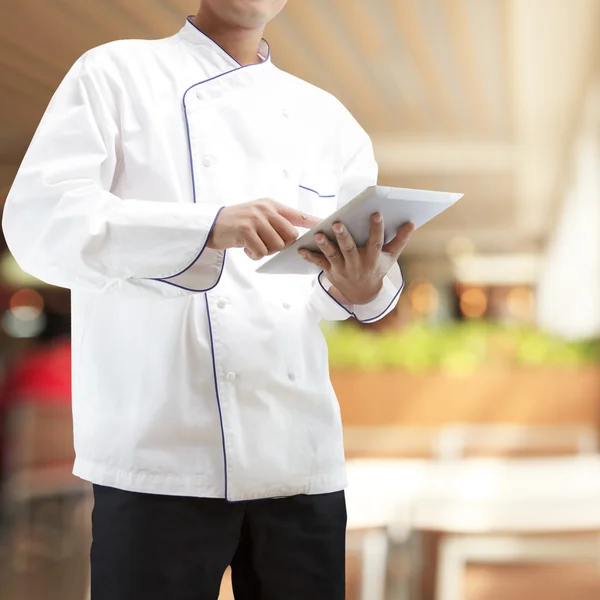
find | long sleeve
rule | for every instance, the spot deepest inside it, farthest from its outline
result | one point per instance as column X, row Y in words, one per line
column 64, row 226
column 360, row 171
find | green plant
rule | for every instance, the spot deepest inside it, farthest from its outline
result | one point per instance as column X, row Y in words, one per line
column 458, row 347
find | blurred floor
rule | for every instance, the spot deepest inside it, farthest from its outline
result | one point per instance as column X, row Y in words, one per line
column 513, row 582
column 525, row 582
column 48, row 579
column 45, row 551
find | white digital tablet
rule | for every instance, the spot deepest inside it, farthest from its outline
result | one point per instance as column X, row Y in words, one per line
column 396, row 205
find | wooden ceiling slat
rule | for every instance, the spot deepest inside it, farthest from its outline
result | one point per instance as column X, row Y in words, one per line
column 507, row 20
column 361, row 25
column 7, row 176
column 288, row 54
column 157, row 22
column 455, row 12
column 14, row 63
column 40, row 39
column 12, row 38
column 408, row 23
column 20, row 109
column 53, row 31
column 185, row 7
column 372, row 112
column 25, row 88
column 364, row 30
column 101, row 20
column 12, row 155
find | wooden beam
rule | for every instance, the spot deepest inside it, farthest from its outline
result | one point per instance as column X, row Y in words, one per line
column 441, row 157
column 19, row 76
column 101, row 20
column 462, row 41
column 51, row 30
column 289, row 54
column 18, row 101
column 185, row 7
column 409, row 25
column 12, row 153
column 507, row 22
column 359, row 22
column 365, row 32
column 14, row 60
column 551, row 69
column 7, row 176
column 372, row 112
column 157, row 23
column 12, row 39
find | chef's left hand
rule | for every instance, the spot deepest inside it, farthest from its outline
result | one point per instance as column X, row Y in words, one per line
column 358, row 273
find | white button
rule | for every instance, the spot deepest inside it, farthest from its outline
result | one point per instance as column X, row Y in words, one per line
column 292, row 376
column 208, row 161
column 287, row 306
column 199, row 95
column 230, row 376
column 221, row 304
column 286, row 173
column 285, row 113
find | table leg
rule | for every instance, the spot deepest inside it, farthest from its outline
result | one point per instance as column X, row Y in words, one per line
column 374, row 565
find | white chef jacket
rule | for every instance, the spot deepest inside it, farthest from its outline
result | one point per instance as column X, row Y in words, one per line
column 192, row 374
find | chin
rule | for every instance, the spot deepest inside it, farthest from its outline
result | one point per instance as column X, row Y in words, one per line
column 249, row 14
column 253, row 20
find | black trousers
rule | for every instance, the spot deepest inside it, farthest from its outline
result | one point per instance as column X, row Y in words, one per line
column 151, row 547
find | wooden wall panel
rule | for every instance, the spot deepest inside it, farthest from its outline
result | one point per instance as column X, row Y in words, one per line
column 503, row 396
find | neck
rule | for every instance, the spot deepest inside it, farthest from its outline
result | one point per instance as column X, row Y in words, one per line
column 242, row 44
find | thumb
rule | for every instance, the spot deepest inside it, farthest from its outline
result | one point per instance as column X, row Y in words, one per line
column 395, row 246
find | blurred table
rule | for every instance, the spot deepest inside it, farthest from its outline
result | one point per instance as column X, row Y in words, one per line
column 489, row 503
column 477, row 495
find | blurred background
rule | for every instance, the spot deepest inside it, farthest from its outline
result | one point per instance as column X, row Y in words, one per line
column 471, row 413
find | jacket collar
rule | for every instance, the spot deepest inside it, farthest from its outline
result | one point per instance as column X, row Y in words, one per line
column 191, row 34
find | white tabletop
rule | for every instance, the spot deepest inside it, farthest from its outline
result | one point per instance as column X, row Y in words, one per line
column 476, row 495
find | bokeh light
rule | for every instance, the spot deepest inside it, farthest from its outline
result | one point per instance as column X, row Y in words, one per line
column 473, row 303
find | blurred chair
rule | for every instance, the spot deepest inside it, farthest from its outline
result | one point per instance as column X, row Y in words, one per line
column 510, row 511
column 380, row 532
column 370, row 547
column 477, row 503
column 388, row 560
column 457, row 551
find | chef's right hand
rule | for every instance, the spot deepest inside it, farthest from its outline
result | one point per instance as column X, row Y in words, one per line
column 261, row 227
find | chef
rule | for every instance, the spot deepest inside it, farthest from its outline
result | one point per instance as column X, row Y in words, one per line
column 161, row 172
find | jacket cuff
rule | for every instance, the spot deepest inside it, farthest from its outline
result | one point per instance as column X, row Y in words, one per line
column 330, row 309
column 205, row 270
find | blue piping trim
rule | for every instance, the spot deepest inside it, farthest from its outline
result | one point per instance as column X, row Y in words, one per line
column 187, row 125
column 212, row 346
column 182, row 287
column 315, row 192
column 166, row 279
column 187, row 122
column 372, row 319
column 268, row 56
column 193, row 177
column 214, row 365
